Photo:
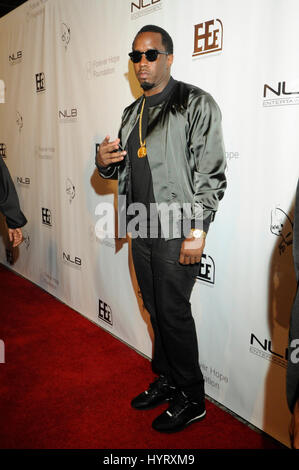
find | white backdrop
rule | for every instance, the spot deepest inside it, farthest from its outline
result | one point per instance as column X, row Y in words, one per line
column 67, row 79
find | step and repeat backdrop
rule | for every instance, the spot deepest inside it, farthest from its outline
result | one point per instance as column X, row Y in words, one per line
column 65, row 77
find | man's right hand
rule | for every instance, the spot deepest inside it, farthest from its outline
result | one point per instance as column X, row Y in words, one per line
column 106, row 154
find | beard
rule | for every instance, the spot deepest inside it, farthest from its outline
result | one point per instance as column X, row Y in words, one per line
column 147, row 86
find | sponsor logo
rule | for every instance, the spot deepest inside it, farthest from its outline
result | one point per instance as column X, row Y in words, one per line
column 101, row 67
column 208, row 37
column 70, row 190
column 15, row 58
column 2, row 352
column 206, row 270
column 263, row 348
column 74, row 261
column 144, row 7
column 44, row 152
column 40, row 82
column 19, row 121
column 105, row 312
column 65, row 34
column 212, row 376
column 232, row 155
column 46, row 216
column 280, row 94
column 35, row 8
column 26, row 239
column 3, row 150
column 46, row 278
column 281, row 226
column 23, row 180
column 68, row 115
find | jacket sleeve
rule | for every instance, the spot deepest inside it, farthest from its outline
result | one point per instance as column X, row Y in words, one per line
column 206, row 146
column 109, row 172
column 9, row 201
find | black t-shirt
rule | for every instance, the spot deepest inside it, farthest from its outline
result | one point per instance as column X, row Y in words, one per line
column 142, row 184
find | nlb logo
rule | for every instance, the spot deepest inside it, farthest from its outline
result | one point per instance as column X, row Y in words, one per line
column 23, row 180
column 263, row 348
column 105, row 312
column 143, row 4
column 75, row 261
column 280, row 95
column 68, row 115
column 144, row 7
column 15, row 58
column 208, row 37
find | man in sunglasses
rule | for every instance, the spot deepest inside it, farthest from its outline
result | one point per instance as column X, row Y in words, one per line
column 169, row 151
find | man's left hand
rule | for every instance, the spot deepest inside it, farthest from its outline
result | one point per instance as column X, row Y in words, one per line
column 15, row 236
column 191, row 250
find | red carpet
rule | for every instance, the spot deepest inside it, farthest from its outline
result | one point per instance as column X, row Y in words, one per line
column 67, row 384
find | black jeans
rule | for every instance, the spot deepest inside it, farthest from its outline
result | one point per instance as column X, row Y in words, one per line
column 166, row 287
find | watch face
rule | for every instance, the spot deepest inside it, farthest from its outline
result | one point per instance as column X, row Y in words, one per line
column 197, row 233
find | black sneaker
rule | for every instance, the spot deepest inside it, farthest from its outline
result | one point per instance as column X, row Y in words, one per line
column 158, row 392
column 181, row 412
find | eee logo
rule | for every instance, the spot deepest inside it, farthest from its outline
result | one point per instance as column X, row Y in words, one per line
column 105, row 312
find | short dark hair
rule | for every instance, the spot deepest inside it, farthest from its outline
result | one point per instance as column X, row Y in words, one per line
column 166, row 39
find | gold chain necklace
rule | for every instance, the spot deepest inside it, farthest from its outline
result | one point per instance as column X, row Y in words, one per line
column 142, row 149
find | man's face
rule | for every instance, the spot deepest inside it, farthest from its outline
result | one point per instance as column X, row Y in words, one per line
column 152, row 76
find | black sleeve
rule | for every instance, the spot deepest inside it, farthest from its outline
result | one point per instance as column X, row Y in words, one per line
column 9, row 201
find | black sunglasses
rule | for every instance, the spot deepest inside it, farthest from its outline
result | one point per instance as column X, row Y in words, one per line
column 151, row 55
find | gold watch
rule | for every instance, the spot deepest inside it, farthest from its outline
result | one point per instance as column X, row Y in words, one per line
column 198, row 233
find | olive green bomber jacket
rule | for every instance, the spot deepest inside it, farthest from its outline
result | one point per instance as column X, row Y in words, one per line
column 185, row 151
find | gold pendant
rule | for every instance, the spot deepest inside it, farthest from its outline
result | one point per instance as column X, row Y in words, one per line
column 141, row 151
